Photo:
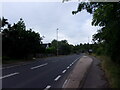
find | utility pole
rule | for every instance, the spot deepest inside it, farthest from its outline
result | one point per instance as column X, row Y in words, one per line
column 88, row 40
column 57, row 40
column 88, row 44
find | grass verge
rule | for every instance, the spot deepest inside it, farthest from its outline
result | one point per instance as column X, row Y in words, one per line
column 112, row 71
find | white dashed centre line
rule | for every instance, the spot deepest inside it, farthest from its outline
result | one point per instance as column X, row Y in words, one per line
column 48, row 87
column 68, row 67
column 57, row 77
column 12, row 74
column 74, row 61
column 63, row 71
column 39, row 66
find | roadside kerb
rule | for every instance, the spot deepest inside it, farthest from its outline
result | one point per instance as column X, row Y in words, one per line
column 79, row 72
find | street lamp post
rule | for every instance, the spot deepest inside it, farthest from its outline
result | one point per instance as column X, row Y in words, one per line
column 57, row 40
column 88, row 40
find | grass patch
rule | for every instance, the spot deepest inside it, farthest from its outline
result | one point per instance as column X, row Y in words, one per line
column 112, row 71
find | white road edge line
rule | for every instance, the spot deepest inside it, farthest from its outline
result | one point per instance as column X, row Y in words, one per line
column 57, row 77
column 75, row 61
column 39, row 66
column 64, row 83
column 47, row 87
column 9, row 75
column 63, row 71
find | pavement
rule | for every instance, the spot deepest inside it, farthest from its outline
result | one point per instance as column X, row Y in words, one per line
column 79, row 72
column 86, row 74
column 96, row 76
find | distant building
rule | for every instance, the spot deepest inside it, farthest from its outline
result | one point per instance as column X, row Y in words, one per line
column 46, row 45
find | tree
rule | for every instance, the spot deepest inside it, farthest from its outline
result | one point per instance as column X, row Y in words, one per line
column 63, row 47
column 3, row 23
column 19, row 42
column 107, row 16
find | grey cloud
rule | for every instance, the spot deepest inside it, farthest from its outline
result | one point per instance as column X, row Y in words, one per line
column 45, row 18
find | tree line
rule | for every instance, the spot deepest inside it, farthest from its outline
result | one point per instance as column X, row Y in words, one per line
column 19, row 43
column 107, row 16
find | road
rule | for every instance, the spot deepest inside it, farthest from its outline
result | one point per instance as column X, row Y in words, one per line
column 43, row 73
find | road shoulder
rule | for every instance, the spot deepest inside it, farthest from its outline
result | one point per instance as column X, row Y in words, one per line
column 96, row 76
column 79, row 72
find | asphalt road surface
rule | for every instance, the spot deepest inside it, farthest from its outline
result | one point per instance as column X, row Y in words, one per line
column 43, row 73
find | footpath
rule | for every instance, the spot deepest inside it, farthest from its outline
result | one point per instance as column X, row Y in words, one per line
column 86, row 74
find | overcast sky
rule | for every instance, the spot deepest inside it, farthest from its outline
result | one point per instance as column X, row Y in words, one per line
column 46, row 17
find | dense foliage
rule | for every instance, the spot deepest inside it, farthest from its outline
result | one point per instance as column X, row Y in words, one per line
column 19, row 42
column 63, row 47
column 107, row 16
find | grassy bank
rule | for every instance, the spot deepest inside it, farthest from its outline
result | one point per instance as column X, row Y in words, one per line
column 112, row 71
